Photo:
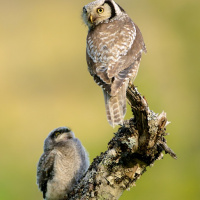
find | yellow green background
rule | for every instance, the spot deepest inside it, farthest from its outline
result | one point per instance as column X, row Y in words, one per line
column 44, row 84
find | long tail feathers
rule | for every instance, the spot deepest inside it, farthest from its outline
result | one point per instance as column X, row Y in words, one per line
column 116, row 106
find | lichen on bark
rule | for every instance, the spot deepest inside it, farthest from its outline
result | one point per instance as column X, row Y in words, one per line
column 135, row 146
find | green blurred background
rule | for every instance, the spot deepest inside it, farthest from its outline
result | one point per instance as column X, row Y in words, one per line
column 44, row 84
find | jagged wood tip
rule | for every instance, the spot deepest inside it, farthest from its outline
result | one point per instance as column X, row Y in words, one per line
column 135, row 146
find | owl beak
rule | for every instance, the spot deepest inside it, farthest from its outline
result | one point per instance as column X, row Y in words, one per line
column 91, row 19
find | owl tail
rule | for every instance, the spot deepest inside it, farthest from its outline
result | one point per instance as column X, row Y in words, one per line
column 116, row 106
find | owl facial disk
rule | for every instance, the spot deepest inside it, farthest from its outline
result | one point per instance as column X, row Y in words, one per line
column 96, row 14
column 63, row 137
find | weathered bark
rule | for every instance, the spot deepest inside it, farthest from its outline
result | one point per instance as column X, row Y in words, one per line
column 135, row 146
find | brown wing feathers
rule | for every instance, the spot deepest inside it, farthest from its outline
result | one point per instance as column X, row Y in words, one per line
column 114, row 51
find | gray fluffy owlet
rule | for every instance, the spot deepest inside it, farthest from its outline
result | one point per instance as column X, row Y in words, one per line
column 62, row 164
column 114, row 50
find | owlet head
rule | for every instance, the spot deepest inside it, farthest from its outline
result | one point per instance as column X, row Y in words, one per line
column 58, row 136
column 100, row 11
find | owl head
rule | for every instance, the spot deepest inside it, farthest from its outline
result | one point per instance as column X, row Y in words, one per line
column 58, row 137
column 100, row 11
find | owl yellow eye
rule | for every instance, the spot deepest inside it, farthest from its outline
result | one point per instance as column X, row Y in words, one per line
column 100, row 10
column 57, row 134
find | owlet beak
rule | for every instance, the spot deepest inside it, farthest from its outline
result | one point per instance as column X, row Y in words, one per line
column 91, row 19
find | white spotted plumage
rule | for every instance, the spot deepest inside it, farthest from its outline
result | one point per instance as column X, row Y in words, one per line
column 114, row 48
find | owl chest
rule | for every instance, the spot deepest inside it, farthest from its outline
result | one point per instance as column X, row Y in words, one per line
column 64, row 170
column 66, row 165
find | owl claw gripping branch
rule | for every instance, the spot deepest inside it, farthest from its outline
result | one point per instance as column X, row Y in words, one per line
column 114, row 49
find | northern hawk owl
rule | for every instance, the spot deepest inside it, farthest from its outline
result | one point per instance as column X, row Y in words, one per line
column 114, row 48
column 62, row 164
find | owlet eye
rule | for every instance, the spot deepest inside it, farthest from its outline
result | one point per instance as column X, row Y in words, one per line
column 100, row 10
column 57, row 134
